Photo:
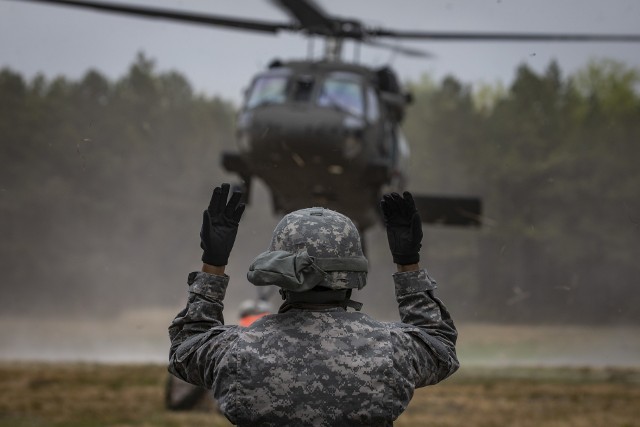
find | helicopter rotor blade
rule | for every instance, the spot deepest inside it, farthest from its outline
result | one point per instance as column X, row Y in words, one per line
column 400, row 49
column 309, row 15
column 504, row 37
column 312, row 20
column 185, row 17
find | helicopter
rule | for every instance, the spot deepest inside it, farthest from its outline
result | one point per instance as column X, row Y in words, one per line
column 327, row 132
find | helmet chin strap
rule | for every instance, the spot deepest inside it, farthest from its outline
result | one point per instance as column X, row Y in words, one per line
column 315, row 299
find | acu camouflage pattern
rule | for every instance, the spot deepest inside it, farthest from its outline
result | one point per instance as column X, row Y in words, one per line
column 321, row 368
column 324, row 234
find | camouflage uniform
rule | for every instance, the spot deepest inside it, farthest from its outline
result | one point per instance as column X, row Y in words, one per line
column 314, row 368
column 319, row 366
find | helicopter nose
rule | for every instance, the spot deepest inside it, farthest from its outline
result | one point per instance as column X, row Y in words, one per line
column 297, row 128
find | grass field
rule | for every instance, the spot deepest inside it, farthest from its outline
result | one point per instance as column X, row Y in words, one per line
column 78, row 395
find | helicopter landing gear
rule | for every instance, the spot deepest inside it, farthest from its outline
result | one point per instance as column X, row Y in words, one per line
column 245, row 187
column 182, row 396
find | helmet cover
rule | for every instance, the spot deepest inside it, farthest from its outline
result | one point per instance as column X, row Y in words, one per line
column 329, row 238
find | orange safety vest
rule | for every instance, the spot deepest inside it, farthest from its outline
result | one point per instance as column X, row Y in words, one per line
column 248, row 320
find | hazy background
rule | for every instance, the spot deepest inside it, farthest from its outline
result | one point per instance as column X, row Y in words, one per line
column 103, row 175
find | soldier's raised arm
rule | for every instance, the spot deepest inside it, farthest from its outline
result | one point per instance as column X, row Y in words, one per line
column 425, row 319
column 195, row 325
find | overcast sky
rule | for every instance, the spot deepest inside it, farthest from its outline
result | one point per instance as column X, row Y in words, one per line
column 61, row 40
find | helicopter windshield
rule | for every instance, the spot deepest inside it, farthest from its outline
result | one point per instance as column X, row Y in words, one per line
column 343, row 93
column 268, row 90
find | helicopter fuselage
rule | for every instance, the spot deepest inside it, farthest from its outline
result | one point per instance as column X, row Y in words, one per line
column 318, row 133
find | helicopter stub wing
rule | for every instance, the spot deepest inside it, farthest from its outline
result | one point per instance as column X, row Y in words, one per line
column 447, row 210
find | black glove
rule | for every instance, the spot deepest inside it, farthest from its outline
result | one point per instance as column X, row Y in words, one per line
column 220, row 226
column 404, row 227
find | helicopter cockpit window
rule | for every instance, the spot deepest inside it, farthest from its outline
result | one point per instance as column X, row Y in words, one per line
column 268, row 90
column 342, row 93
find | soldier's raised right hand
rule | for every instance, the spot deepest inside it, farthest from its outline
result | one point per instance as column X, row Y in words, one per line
column 220, row 225
column 404, row 227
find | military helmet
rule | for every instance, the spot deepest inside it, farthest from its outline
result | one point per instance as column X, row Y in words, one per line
column 329, row 239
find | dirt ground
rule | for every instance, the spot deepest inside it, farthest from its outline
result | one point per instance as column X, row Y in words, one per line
column 75, row 395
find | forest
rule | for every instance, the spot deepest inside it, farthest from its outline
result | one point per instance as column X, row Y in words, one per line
column 104, row 181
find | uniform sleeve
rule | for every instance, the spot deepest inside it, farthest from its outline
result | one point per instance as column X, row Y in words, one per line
column 199, row 339
column 426, row 321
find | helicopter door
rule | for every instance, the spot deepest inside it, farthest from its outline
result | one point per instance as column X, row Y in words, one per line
column 376, row 128
column 400, row 160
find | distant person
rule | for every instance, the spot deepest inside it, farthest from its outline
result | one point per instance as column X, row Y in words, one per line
column 314, row 363
column 252, row 310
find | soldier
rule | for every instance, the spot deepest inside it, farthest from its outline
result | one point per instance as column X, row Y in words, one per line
column 314, row 363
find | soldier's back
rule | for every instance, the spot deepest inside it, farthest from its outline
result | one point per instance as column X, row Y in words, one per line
column 314, row 368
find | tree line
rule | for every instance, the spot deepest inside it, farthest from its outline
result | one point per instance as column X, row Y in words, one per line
column 553, row 157
column 99, row 180
column 555, row 161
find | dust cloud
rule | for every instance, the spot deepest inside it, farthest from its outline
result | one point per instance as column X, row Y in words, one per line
column 82, row 283
column 127, row 321
column 140, row 336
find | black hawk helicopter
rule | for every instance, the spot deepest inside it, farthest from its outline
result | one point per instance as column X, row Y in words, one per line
column 327, row 132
